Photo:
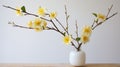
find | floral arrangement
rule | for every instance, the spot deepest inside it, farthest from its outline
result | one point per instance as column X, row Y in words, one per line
column 42, row 18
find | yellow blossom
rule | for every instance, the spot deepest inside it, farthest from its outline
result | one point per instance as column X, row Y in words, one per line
column 67, row 39
column 101, row 16
column 18, row 11
column 84, row 38
column 44, row 24
column 37, row 22
column 30, row 24
column 38, row 29
column 87, row 30
column 41, row 11
column 53, row 15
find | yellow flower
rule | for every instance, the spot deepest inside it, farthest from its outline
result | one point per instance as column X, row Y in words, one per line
column 101, row 16
column 44, row 24
column 53, row 15
column 67, row 39
column 18, row 11
column 84, row 38
column 38, row 29
column 37, row 22
column 87, row 30
column 41, row 11
column 30, row 24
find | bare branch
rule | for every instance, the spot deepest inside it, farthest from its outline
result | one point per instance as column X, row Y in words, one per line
column 67, row 17
column 76, row 28
column 109, row 9
column 15, row 25
column 62, row 25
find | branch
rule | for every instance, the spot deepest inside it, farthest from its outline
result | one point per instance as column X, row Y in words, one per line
column 54, row 25
column 55, row 30
column 48, row 28
column 104, row 21
column 112, row 15
column 78, row 49
column 93, row 23
column 67, row 17
column 74, row 45
column 97, row 25
column 109, row 9
column 76, row 29
column 15, row 25
column 27, row 13
column 61, row 25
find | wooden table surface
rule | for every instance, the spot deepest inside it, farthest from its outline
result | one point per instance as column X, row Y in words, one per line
column 56, row 65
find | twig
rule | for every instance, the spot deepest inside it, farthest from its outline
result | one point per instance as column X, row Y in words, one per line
column 74, row 45
column 15, row 25
column 48, row 28
column 62, row 25
column 97, row 25
column 112, row 15
column 109, row 9
column 103, row 21
column 76, row 29
column 93, row 23
column 67, row 17
column 78, row 49
column 27, row 13
column 79, row 44
column 9, row 7
column 54, row 25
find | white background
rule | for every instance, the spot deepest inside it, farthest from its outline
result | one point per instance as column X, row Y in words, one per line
column 27, row 46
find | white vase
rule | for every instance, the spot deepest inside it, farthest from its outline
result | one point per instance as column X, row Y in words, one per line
column 77, row 58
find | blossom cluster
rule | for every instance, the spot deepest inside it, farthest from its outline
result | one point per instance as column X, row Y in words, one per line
column 40, row 23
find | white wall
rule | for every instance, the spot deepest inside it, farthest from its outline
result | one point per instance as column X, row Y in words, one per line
column 27, row 46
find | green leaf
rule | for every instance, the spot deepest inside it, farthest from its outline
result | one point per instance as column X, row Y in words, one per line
column 94, row 14
column 68, row 17
column 78, row 39
column 96, row 20
column 64, row 33
column 23, row 9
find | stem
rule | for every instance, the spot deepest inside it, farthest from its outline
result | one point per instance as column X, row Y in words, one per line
column 79, row 44
column 97, row 25
column 76, row 29
column 61, row 25
column 109, row 9
column 66, row 14
column 93, row 23
column 27, row 13
column 78, row 49
column 9, row 7
column 111, row 16
column 49, row 28
column 54, row 25
column 74, row 45
column 55, row 30
column 15, row 25
column 103, row 21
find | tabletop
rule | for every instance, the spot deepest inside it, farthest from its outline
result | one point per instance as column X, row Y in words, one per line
column 55, row 65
